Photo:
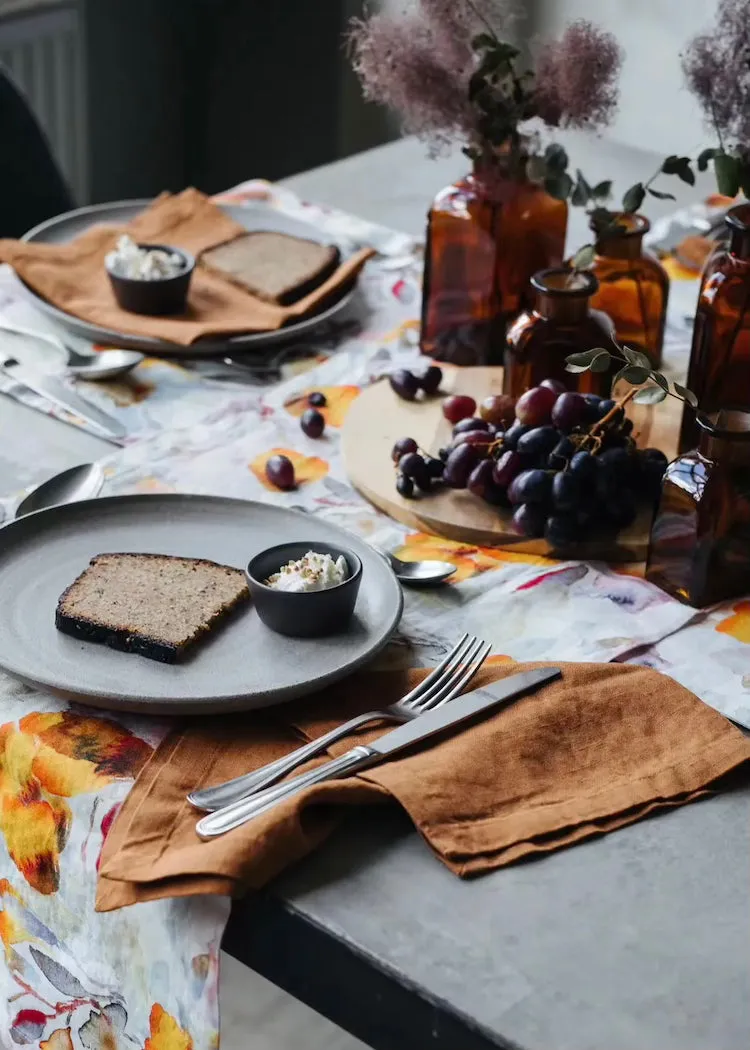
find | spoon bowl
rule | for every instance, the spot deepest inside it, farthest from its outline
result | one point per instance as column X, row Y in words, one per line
column 105, row 364
column 77, row 483
column 420, row 573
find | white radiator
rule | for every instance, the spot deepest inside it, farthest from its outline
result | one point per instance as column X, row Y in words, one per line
column 40, row 46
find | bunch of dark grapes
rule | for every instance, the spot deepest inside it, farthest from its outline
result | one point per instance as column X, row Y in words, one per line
column 565, row 463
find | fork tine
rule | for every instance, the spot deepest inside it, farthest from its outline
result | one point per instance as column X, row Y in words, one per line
column 438, row 672
column 467, row 654
column 452, row 688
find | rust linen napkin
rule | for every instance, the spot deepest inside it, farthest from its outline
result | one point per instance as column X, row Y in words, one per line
column 604, row 747
column 73, row 278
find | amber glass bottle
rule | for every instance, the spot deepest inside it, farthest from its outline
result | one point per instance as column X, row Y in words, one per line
column 719, row 373
column 633, row 287
column 560, row 324
column 486, row 235
column 699, row 549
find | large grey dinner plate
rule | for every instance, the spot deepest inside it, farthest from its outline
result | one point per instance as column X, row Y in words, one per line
column 243, row 665
column 63, row 228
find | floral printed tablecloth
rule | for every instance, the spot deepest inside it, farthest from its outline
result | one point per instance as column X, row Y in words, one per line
column 146, row 978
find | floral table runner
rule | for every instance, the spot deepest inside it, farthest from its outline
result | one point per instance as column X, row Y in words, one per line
column 146, row 978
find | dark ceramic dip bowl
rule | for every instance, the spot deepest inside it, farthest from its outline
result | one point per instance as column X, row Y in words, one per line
column 160, row 297
column 304, row 614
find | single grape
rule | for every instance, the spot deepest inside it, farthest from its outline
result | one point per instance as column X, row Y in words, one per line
column 458, row 407
column 566, row 491
column 404, row 486
column 413, row 466
column 555, row 385
column 656, row 456
column 481, row 483
column 280, row 472
column 620, row 509
column 585, row 466
column 623, row 464
column 404, row 383
column 316, row 399
column 535, row 406
column 561, row 454
column 532, row 486
column 592, row 407
column 513, row 434
column 461, row 463
column 435, row 467
column 528, row 520
column 568, row 411
column 470, row 423
column 478, row 439
column 402, row 447
column 431, row 379
column 507, row 468
column 312, row 423
column 604, row 407
column 499, row 409
column 561, row 530
column 627, row 427
column 652, row 463
column 537, row 443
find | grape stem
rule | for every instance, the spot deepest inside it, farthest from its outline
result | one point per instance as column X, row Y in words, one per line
column 594, row 433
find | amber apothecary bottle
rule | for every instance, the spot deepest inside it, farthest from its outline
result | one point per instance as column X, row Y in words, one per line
column 699, row 549
column 487, row 234
column 561, row 323
column 719, row 373
column 633, row 287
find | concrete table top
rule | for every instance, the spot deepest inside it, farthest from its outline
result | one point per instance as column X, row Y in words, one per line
column 636, row 941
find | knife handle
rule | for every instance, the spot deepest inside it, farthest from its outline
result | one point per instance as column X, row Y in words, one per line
column 238, row 813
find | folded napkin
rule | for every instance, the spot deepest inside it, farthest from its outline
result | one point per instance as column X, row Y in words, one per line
column 602, row 748
column 72, row 276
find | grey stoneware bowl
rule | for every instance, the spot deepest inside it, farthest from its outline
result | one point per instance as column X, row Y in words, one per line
column 307, row 614
column 162, row 297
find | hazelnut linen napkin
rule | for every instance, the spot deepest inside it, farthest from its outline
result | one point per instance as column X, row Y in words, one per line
column 73, row 278
column 602, row 748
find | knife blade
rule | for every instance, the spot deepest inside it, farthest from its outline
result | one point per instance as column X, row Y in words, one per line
column 449, row 716
column 54, row 390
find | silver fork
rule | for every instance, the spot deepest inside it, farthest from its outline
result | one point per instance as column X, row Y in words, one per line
column 245, row 809
column 439, row 686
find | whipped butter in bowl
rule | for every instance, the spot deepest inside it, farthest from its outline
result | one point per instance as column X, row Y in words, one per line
column 305, row 590
column 149, row 278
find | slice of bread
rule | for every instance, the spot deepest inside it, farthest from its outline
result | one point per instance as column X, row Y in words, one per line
column 273, row 266
column 153, row 604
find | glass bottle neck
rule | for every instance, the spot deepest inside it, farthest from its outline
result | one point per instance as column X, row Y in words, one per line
column 739, row 243
column 563, row 309
column 621, row 246
column 725, row 438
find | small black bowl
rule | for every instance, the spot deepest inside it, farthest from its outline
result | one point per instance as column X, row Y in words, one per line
column 307, row 614
column 167, row 295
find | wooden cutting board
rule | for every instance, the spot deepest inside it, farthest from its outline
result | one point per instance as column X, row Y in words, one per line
column 378, row 418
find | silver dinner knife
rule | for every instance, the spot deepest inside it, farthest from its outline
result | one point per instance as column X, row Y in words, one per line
column 54, row 390
column 451, row 715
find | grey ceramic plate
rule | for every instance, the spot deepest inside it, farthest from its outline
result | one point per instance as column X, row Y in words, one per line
column 64, row 228
column 243, row 666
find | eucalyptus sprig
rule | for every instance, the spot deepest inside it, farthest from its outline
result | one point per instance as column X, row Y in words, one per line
column 604, row 221
column 637, row 370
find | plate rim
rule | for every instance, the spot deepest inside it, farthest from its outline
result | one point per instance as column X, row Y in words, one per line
column 198, row 706
column 155, row 347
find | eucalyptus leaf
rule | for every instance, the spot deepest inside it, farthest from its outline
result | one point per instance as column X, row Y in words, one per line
column 584, row 257
column 602, row 190
column 557, row 158
column 601, row 362
column 634, row 375
column 705, row 157
column 671, row 164
column 634, row 198
column 585, row 357
column 559, row 186
column 581, row 194
column 661, row 195
column 686, row 173
column 688, row 395
column 631, row 356
column 661, row 380
column 727, row 170
column 576, row 368
column 650, row 395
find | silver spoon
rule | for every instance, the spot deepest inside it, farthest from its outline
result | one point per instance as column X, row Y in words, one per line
column 105, row 364
column 419, row 573
column 77, row 483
